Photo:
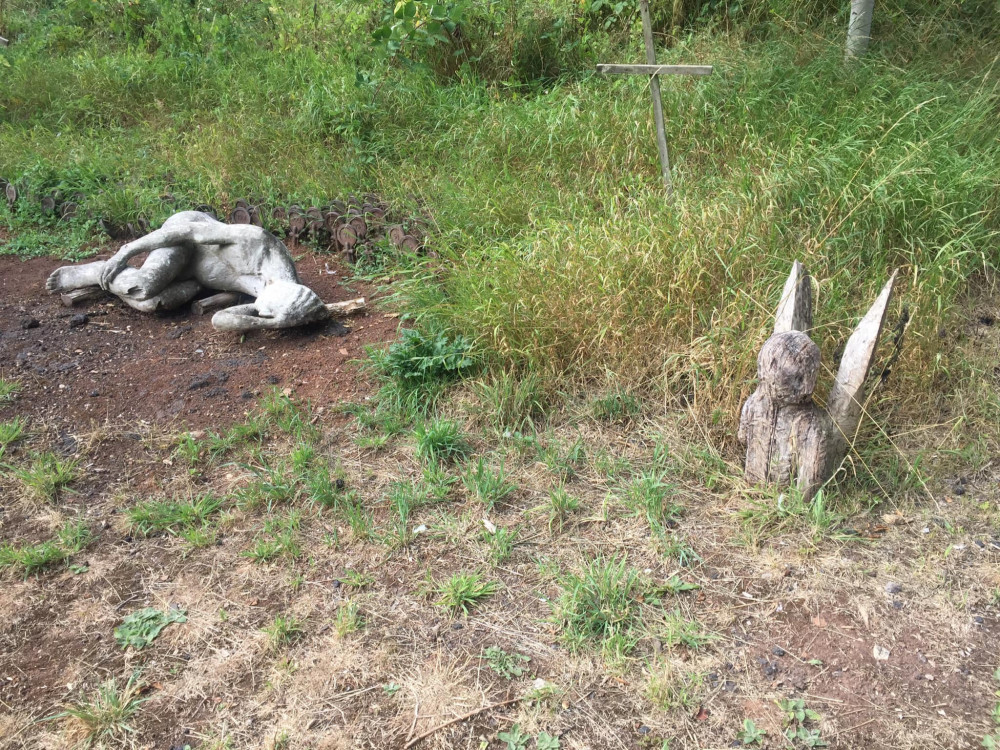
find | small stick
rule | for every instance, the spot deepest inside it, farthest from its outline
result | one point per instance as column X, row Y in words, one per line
column 223, row 299
column 347, row 307
column 469, row 715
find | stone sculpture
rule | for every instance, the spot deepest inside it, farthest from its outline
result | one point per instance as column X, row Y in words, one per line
column 193, row 252
column 789, row 438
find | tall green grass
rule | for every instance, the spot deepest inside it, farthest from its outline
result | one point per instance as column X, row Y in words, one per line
column 560, row 253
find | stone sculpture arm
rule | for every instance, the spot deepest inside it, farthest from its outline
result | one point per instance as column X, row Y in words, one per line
column 169, row 235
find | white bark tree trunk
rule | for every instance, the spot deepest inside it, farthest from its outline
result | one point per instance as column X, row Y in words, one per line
column 859, row 29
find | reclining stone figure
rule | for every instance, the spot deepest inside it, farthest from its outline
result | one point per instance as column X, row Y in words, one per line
column 193, row 252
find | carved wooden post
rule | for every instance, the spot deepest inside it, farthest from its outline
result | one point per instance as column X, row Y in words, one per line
column 789, row 439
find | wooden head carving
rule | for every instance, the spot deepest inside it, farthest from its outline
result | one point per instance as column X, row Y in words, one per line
column 789, row 439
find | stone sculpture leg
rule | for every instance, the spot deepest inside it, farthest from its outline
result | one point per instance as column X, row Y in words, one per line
column 152, row 287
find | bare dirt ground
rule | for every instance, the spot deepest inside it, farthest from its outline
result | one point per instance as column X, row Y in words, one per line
column 884, row 623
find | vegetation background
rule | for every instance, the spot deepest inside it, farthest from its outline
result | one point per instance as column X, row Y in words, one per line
column 561, row 256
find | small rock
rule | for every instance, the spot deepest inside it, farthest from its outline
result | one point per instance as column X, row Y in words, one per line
column 457, row 626
column 893, row 588
column 881, row 653
column 29, row 322
column 978, row 620
column 644, row 730
column 79, row 320
column 273, row 379
column 95, row 394
column 896, row 604
column 778, row 651
column 959, row 490
column 200, row 381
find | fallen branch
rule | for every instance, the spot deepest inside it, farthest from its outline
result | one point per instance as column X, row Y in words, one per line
column 469, row 715
column 347, row 307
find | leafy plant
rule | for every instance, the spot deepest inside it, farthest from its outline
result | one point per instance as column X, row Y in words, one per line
column 420, row 357
column 141, row 628
column 418, row 23
column 505, row 664
column 797, row 716
column 546, row 741
column 515, row 738
column 464, row 591
column 750, row 734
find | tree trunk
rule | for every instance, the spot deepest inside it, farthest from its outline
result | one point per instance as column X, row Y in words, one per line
column 859, row 29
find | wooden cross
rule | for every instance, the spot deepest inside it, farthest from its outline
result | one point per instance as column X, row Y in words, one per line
column 654, row 71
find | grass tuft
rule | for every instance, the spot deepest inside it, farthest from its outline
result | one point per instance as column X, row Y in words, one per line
column 598, row 604
column 440, row 440
column 47, row 475
column 106, row 715
column 464, row 592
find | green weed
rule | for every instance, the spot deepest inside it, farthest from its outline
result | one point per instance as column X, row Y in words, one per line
column 670, row 688
column 348, row 619
column 507, row 665
column 440, row 440
column 512, row 401
column 500, row 543
column 11, row 432
column 651, row 496
column 107, row 713
column 173, row 516
column 559, row 507
column 277, row 539
column 357, row 580
column 617, row 406
column 464, row 592
column 47, row 475
column 284, row 630
column 8, row 389
column 32, row 559
column 486, row 485
column 598, row 603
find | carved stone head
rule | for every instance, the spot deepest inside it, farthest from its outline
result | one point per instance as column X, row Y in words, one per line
column 787, row 368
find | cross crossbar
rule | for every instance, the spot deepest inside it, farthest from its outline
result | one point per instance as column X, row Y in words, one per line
column 654, row 72
column 613, row 69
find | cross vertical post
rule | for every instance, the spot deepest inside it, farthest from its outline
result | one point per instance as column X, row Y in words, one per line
column 654, row 87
